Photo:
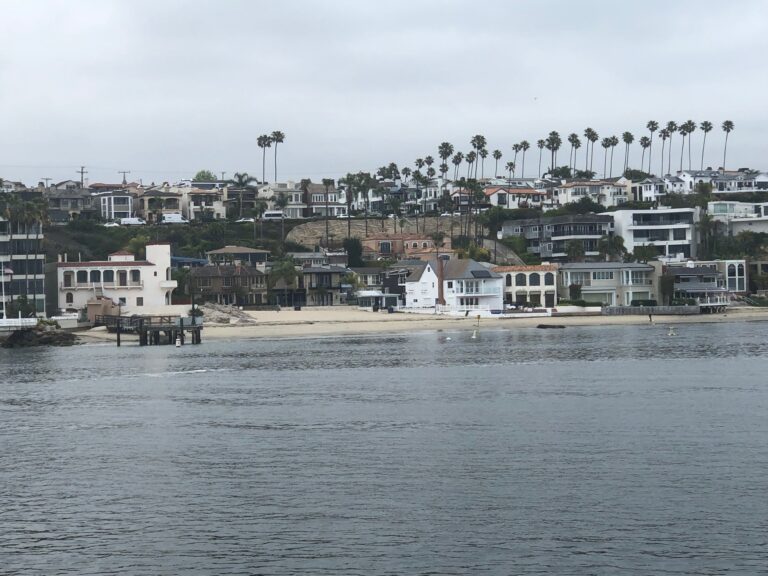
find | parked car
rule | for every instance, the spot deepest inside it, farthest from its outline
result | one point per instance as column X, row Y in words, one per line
column 245, row 220
column 343, row 216
column 112, row 225
column 273, row 215
column 132, row 221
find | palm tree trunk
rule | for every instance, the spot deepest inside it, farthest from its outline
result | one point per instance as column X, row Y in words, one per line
column 540, row 151
column 663, row 143
column 703, row 144
column 689, row 151
column 610, row 173
column 605, row 161
column 682, row 150
column 263, row 165
column 642, row 160
column 725, row 149
column 669, row 154
column 650, row 154
column 523, row 170
column 275, row 160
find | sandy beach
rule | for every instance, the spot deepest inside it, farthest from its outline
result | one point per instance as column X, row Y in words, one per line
column 342, row 321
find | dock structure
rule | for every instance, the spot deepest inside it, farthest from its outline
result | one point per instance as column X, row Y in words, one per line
column 155, row 330
column 14, row 324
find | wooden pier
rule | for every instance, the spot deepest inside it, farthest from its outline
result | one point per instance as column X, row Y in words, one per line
column 155, row 330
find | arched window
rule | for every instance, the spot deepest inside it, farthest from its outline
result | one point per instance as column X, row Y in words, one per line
column 108, row 277
column 534, row 279
column 70, row 298
column 520, row 279
column 731, row 270
column 549, row 279
column 68, row 279
column 82, row 277
column 96, row 276
column 423, row 244
column 136, row 276
column 741, row 269
column 509, row 279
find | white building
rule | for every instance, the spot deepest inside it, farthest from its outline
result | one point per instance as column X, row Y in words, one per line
column 606, row 193
column 740, row 216
column 114, row 205
column 534, row 285
column 672, row 231
column 137, row 286
column 468, row 286
column 609, row 283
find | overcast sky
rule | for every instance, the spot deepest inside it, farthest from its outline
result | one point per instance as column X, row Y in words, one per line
column 167, row 87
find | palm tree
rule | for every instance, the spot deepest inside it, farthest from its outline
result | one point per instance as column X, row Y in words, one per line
column 614, row 142
column 605, row 143
column 572, row 138
column 483, row 153
column 592, row 137
column 553, row 143
column 706, row 127
column 327, row 183
column 471, row 158
column 524, row 146
column 510, row 166
column 628, row 138
column 663, row 134
column 278, row 138
column 478, row 143
column 284, row 270
column 419, row 163
column 496, row 156
column 540, row 144
column 241, row 181
column 516, row 148
column 457, row 159
column 576, row 146
column 264, row 141
column 690, row 128
column 683, row 129
column 727, row 128
column 671, row 128
column 445, row 150
column 652, row 127
column 406, row 173
column 645, row 142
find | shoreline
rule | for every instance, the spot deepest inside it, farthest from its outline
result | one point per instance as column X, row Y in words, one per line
column 338, row 321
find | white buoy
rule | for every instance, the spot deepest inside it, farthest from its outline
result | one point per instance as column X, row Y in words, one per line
column 178, row 342
column 447, row 338
column 474, row 334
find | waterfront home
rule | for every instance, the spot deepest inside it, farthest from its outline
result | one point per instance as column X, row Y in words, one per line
column 323, row 285
column 670, row 231
column 609, row 283
column 464, row 285
column 21, row 263
column 234, row 283
column 529, row 285
column 702, row 283
column 137, row 286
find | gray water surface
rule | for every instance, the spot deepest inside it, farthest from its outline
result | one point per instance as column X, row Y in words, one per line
column 599, row 450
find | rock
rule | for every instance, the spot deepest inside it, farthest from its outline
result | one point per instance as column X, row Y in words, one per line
column 39, row 336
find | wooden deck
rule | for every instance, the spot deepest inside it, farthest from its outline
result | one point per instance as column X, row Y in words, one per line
column 154, row 330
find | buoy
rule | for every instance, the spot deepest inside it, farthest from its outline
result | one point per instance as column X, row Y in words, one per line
column 474, row 334
column 178, row 342
column 447, row 338
column 671, row 332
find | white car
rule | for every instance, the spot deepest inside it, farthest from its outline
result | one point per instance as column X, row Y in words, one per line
column 343, row 216
column 112, row 225
column 245, row 220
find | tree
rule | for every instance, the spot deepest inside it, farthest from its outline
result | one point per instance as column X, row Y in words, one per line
column 671, row 128
column 572, row 139
column 516, row 148
column 690, row 128
column 327, row 183
column 706, row 127
column 628, row 138
column 644, row 253
column 510, row 166
column 552, row 144
column 611, row 247
column 445, row 150
column 241, row 181
column 204, row 176
column 574, row 250
column 683, row 132
column 278, row 138
column 561, row 173
column 283, row 270
column 281, row 201
column 264, row 141
column 727, row 128
column 540, row 144
column 478, row 142
column 591, row 137
column 524, row 146
column 663, row 134
column 354, row 250
column 652, row 127
column 645, row 143
column 457, row 159
column 606, row 143
column 496, row 157
column 614, row 141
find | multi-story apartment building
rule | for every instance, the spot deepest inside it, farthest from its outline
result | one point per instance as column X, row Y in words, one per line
column 21, row 264
column 671, row 231
column 549, row 236
column 739, row 217
column 113, row 204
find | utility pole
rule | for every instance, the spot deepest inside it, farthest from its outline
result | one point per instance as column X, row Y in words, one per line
column 82, row 173
column 124, row 172
column 222, row 175
column 46, row 180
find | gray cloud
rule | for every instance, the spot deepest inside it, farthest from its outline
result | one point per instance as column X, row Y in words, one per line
column 168, row 87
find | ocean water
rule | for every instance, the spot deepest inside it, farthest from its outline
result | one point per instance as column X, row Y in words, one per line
column 595, row 450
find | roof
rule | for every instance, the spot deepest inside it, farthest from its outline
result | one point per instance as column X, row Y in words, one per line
column 527, row 268
column 225, row 270
column 122, row 253
column 324, row 270
column 104, row 264
column 490, row 191
column 367, row 270
column 606, row 265
column 237, row 250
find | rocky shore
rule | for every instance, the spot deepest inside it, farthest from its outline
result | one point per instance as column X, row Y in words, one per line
column 39, row 336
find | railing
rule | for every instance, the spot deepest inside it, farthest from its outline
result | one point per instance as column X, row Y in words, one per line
column 94, row 285
column 8, row 324
column 477, row 293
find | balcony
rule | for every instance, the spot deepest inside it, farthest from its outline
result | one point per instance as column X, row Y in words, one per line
column 102, row 285
column 168, row 284
column 485, row 292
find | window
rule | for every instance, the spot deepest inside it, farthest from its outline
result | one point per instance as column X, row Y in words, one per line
column 423, row 244
column 204, row 282
column 122, row 301
column 70, row 298
column 678, row 233
column 534, row 279
column 450, row 283
column 139, row 301
column 95, row 276
column 82, row 277
column 108, row 277
column 549, row 279
column 602, row 275
column 520, row 279
column 385, row 247
column 227, row 281
column 155, row 273
column 509, row 279
column 136, row 276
